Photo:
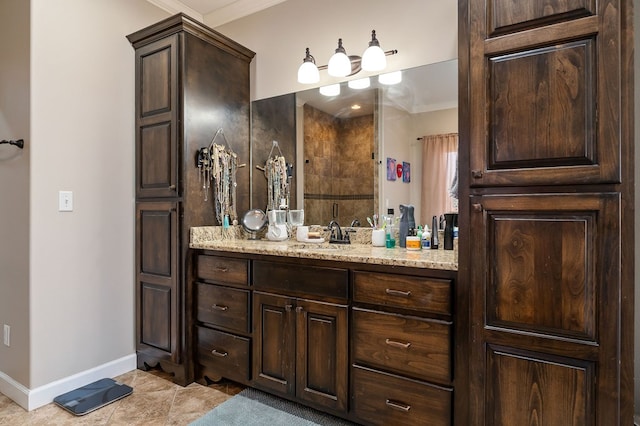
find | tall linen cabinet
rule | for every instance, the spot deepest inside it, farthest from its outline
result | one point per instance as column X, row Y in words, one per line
column 546, row 149
column 190, row 82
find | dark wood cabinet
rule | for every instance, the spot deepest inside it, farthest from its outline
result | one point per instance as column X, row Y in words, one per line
column 546, row 250
column 369, row 343
column 402, row 348
column 301, row 345
column 182, row 68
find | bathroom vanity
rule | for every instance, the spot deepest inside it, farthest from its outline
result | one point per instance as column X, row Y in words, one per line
column 364, row 333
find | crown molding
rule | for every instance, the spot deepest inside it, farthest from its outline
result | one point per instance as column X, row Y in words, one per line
column 175, row 6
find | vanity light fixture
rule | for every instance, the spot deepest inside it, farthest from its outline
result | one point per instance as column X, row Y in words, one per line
column 308, row 71
column 330, row 90
column 339, row 63
column 355, row 107
column 343, row 65
column 374, row 59
column 361, row 83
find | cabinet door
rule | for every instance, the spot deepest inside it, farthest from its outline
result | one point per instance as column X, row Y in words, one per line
column 322, row 354
column 545, row 308
column 274, row 343
column 157, row 119
column 545, row 101
column 157, row 279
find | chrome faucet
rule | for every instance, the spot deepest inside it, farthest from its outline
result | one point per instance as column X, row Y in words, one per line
column 335, row 231
column 355, row 222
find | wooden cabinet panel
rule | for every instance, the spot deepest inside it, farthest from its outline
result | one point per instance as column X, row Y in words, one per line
column 301, row 280
column 224, row 354
column 157, row 238
column 541, row 109
column 223, row 307
column 546, row 254
column 274, row 343
column 509, row 15
column 157, row 288
column 412, row 346
column 552, row 124
column 157, row 73
column 156, row 119
column 526, row 389
column 386, row 399
column 403, row 291
column 322, row 353
column 156, row 329
column 223, row 270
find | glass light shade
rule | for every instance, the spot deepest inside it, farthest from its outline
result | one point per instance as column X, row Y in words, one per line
column 361, row 83
column 339, row 65
column 331, row 90
column 308, row 73
column 390, row 78
column 374, row 59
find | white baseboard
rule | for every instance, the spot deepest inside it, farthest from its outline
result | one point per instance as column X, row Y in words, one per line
column 30, row 399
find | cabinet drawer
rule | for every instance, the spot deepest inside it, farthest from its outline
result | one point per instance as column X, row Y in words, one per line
column 224, row 354
column 403, row 344
column 223, row 306
column 385, row 399
column 223, row 270
column 301, row 280
column 403, row 291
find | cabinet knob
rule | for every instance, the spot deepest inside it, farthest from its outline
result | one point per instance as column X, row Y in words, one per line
column 218, row 353
column 288, row 308
column 476, row 174
column 477, row 207
column 299, row 309
column 396, row 405
column 172, row 187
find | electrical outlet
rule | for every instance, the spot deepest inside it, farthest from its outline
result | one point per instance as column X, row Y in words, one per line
column 7, row 335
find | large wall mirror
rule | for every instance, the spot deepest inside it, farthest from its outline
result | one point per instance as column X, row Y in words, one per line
column 346, row 147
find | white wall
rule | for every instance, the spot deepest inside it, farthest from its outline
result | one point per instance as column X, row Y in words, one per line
column 79, row 306
column 423, row 32
column 14, row 188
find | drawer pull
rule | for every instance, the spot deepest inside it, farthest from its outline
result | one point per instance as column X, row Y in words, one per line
column 398, row 405
column 397, row 344
column 222, row 269
column 299, row 309
column 220, row 354
column 288, row 308
column 219, row 307
column 392, row 292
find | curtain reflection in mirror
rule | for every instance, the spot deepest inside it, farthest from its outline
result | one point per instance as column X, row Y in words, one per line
column 439, row 161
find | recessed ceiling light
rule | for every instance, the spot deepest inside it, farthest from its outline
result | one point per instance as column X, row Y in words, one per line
column 355, row 106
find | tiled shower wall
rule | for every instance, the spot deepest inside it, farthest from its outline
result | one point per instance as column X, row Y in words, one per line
column 339, row 168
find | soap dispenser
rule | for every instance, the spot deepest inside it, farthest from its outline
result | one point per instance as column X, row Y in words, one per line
column 403, row 229
column 407, row 223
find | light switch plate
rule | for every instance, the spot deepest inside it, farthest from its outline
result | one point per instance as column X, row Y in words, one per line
column 65, row 201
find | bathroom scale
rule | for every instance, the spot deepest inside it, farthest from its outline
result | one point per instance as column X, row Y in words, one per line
column 92, row 396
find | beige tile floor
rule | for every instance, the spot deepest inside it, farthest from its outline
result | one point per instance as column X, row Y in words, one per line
column 154, row 401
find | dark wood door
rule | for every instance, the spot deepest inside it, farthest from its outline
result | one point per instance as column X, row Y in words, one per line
column 156, row 119
column 157, row 279
column 547, row 306
column 546, row 160
column 545, row 77
column 274, row 343
column 322, row 353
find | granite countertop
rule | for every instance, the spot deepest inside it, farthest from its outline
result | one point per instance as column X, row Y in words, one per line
column 234, row 240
